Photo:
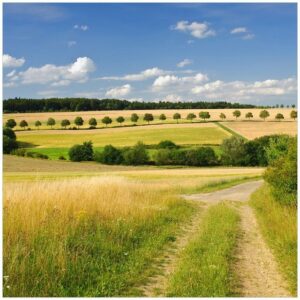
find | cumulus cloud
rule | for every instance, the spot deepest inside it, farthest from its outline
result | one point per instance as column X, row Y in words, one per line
column 120, row 91
column 173, row 98
column 11, row 74
column 238, row 30
column 144, row 75
column 197, row 30
column 48, row 93
column 58, row 75
column 12, row 62
column 81, row 27
column 184, row 63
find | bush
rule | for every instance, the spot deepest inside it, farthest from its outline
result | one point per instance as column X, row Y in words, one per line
column 136, row 155
column 166, row 145
column 82, row 152
column 11, row 123
column 36, row 155
column 9, row 132
column 62, row 158
column 203, row 156
column 19, row 152
column 92, row 127
column 9, row 144
column 163, row 157
column 233, row 151
column 109, row 156
column 282, row 175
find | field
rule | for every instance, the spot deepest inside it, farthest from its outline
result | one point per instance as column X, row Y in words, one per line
column 86, row 115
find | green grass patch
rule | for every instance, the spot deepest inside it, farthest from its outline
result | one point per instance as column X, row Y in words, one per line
column 279, row 227
column 204, row 267
column 230, row 130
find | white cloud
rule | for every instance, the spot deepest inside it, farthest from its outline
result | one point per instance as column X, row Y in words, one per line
column 81, row 27
column 11, row 74
column 120, row 91
column 71, row 43
column 197, row 30
column 144, row 75
column 48, row 93
column 239, row 30
column 173, row 98
column 59, row 75
column 12, row 62
column 248, row 36
column 9, row 84
column 184, row 63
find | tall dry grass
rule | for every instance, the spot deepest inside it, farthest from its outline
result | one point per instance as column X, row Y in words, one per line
column 84, row 237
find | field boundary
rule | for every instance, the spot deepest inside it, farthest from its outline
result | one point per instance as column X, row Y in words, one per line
column 234, row 133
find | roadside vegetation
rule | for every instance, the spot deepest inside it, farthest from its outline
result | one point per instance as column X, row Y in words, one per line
column 204, row 266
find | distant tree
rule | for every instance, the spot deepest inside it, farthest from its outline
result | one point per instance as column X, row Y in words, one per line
column 37, row 124
column 136, row 155
column 134, row 118
column 120, row 119
column 23, row 124
column 64, row 123
column 293, row 114
column 9, row 144
column 191, row 116
column 109, row 156
column 166, row 145
column 93, row 122
column 249, row 115
column 148, row 118
column 293, row 105
column 204, row 115
column 176, row 117
column 9, row 132
column 162, row 117
column 237, row 113
column 106, row 120
column 11, row 123
column 279, row 117
column 281, row 106
column 222, row 116
column 50, row 122
column 264, row 114
column 78, row 121
column 82, row 152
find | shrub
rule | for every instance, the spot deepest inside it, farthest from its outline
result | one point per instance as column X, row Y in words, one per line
column 11, row 123
column 19, row 152
column 203, row 156
column 36, row 155
column 61, row 157
column 9, row 144
column 9, row 132
column 163, row 157
column 82, row 152
column 166, row 145
column 233, row 151
column 277, row 147
column 136, row 155
column 109, row 156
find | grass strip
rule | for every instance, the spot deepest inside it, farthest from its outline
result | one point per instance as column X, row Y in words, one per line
column 230, row 131
column 204, row 266
column 279, row 227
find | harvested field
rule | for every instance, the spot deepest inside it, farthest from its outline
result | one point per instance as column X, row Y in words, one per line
column 252, row 130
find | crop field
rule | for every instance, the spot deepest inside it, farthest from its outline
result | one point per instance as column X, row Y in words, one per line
column 206, row 133
column 252, row 130
column 86, row 115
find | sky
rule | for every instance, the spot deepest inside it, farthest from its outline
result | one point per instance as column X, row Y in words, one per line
column 243, row 53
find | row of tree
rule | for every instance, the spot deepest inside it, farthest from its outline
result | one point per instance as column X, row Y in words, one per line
column 84, row 104
column 204, row 115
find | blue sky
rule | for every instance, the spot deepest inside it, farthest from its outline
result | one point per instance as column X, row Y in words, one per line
column 177, row 52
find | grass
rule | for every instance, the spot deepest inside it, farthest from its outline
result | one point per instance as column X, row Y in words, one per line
column 279, row 227
column 85, row 237
column 230, row 131
column 204, row 267
column 195, row 134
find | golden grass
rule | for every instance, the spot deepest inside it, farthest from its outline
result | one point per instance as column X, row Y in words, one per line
column 86, row 115
column 252, row 130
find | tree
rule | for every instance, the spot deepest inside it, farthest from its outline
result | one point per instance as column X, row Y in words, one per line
column 281, row 106
column 9, row 144
column 9, row 132
column 236, row 114
column 191, row 116
column 11, row 123
column 37, row 124
column 233, row 151
column 78, row 121
column 177, row 116
column 222, row 116
column 93, row 122
column 162, row 117
column 82, row 152
column 293, row 114
column 134, row 118
column 166, row 145
column 202, row 156
column 136, row 155
column 120, row 119
column 64, row 123
column 109, row 156
column 249, row 115
column 264, row 114
column 293, row 105
column 51, row 122
column 279, row 117
column 148, row 118
column 106, row 120
column 23, row 124
column 204, row 115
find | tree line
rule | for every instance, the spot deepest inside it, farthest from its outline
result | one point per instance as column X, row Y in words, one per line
column 21, row 105
column 203, row 115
